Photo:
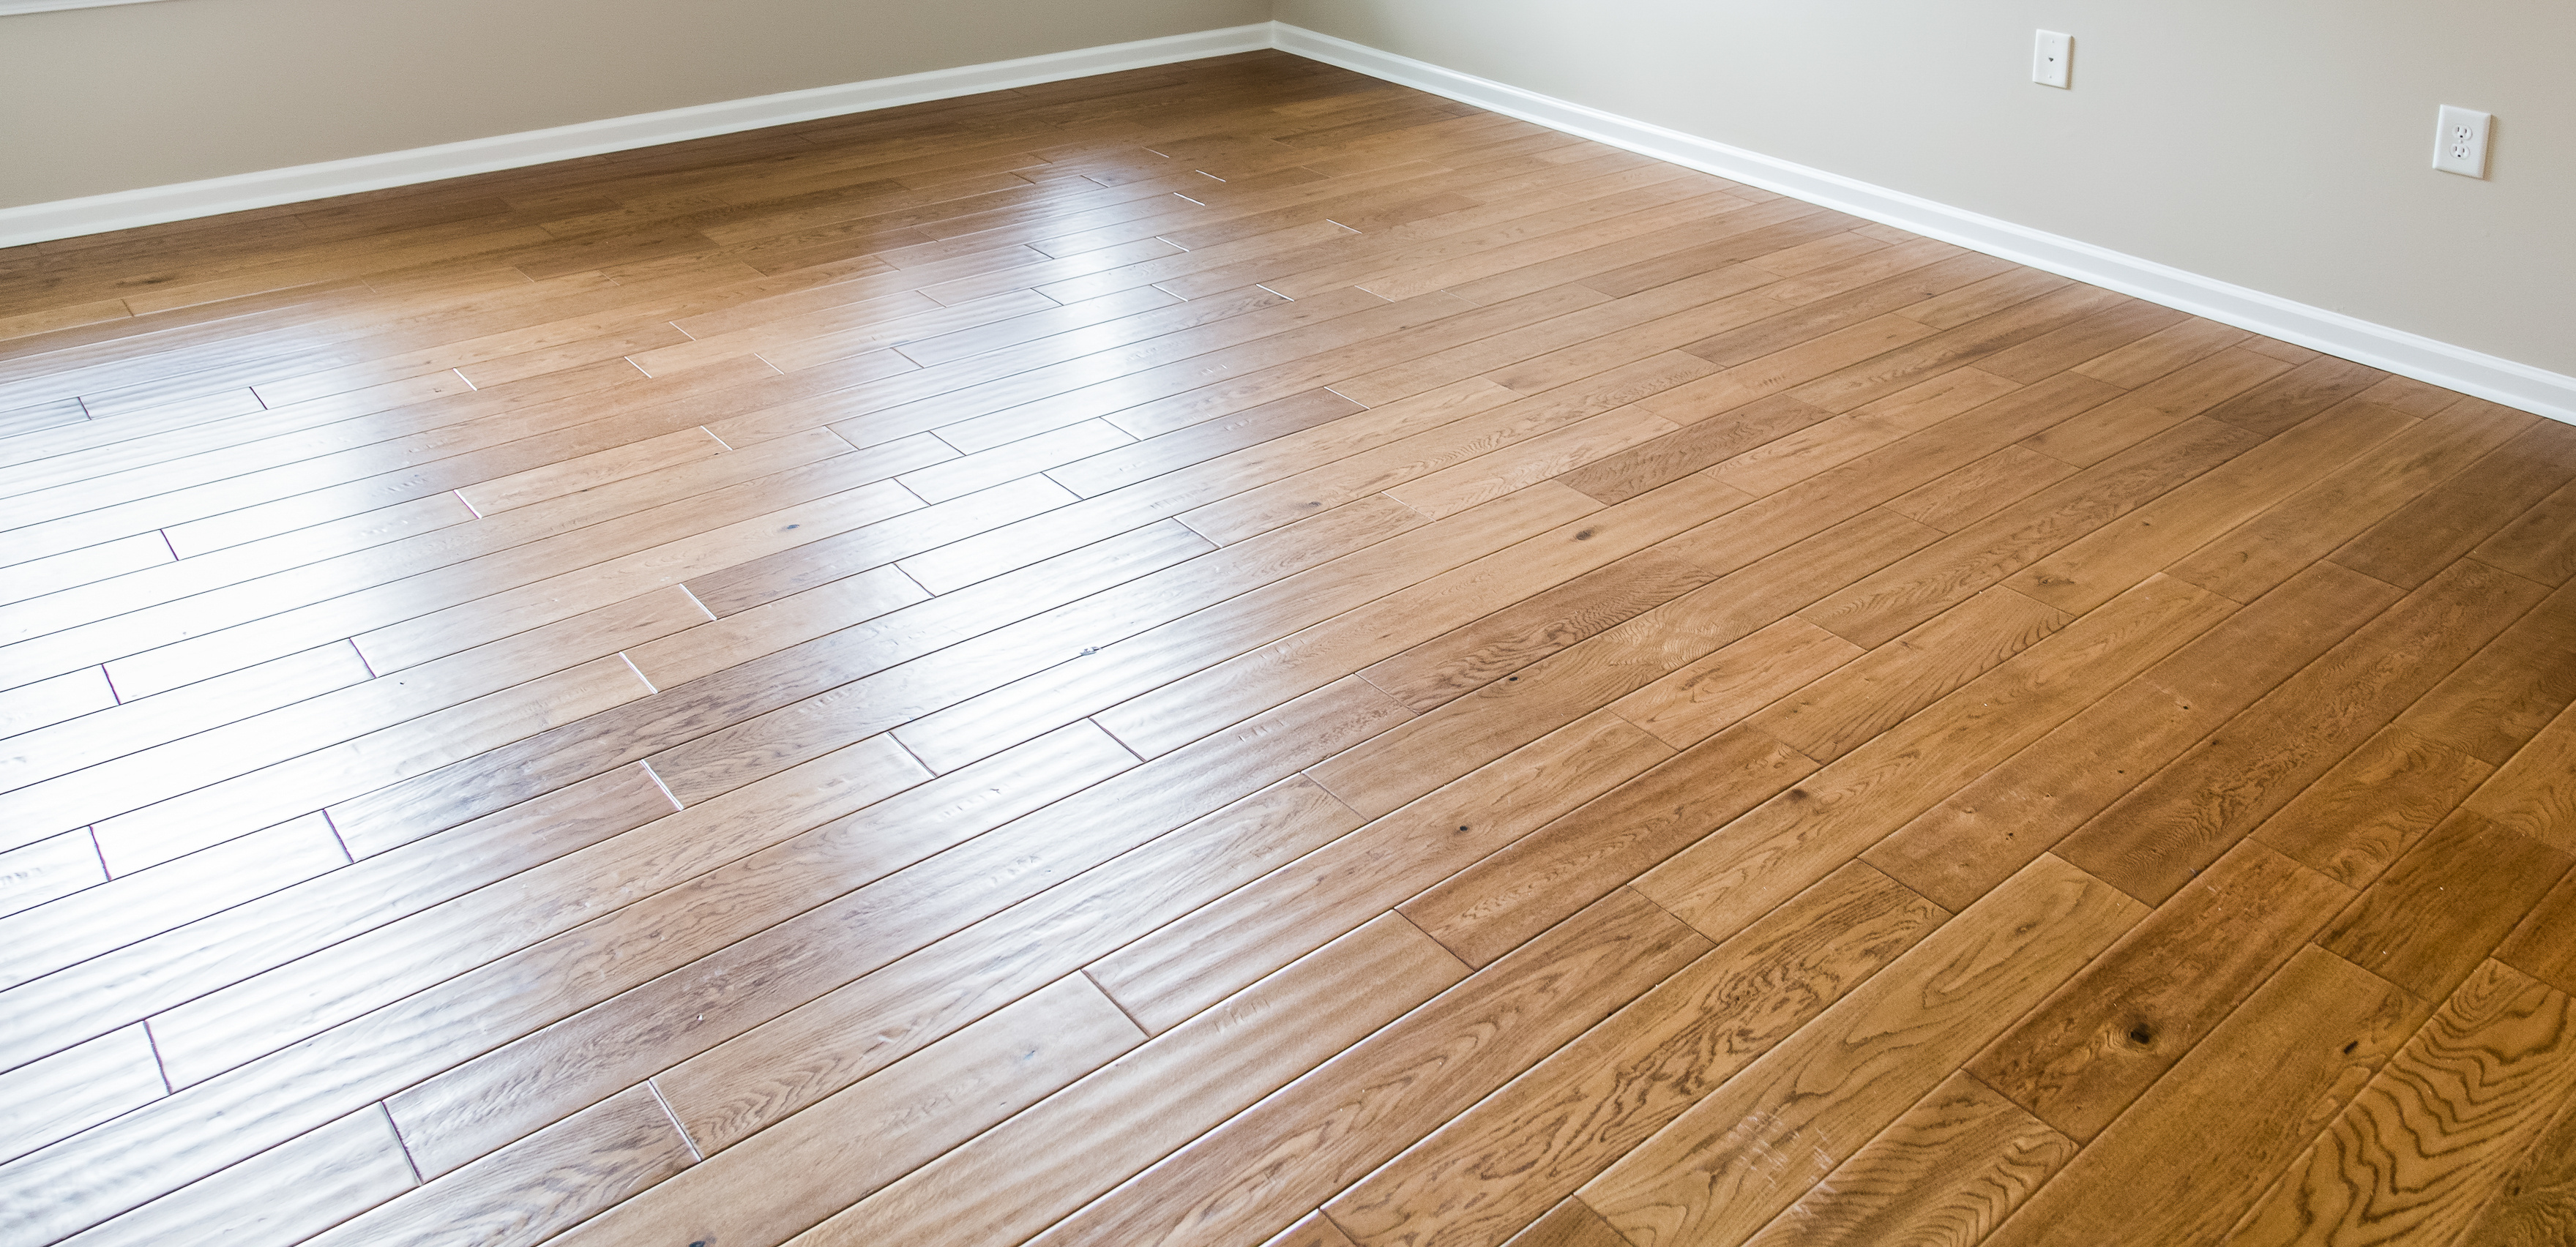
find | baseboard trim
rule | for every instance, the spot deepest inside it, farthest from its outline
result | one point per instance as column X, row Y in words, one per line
column 153, row 205
column 2490, row 377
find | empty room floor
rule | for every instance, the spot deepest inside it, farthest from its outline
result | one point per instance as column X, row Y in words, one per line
column 1235, row 654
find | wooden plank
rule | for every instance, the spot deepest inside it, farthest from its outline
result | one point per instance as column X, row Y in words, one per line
column 2086, row 572
column 1788, row 322
column 2080, row 343
column 2360, row 817
column 548, row 1182
column 1980, row 489
column 1539, row 357
column 2293, row 396
column 74, row 568
column 226, row 1117
column 589, row 471
column 1198, row 443
column 75, row 1089
column 2544, row 946
column 2541, row 545
column 2153, row 840
column 1978, row 836
column 832, row 661
column 1494, row 906
column 258, row 693
column 1950, row 1170
column 1181, row 969
column 1501, row 1164
column 1241, row 1180
column 2538, row 1202
column 2534, row 793
column 2203, row 1144
column 1990, row 548
column 1570, row 1224
column 1497, row 473
column 31, row 706
column 1814, row 499
column 2087, row 1051
column 1179, row 710
column 957, row 725
column 776, row 1184
column 1831, row 442
column 257, row 798
column 821, row 950
column 1472, row 655
column 705, row 648
column 183, row 641
column 133, row 906
column 1617, row 477
column 1743, row 1155
column 1492, row 417
column 884, row 522
column 1868, row 379
column 2425, row 536
column 739, row 1088
column 48, row 869
column 2440, row 1129
column 2162, row 352
column 1013, row 1181
column 1316, row 1230
column 286, row 1194
column 1504, row 714
column 1800, row 836
column 2498, row 700
column 493, row 936
column 166, row 970
column 1730, row 684
column 1860, row 699
column 2428, row 922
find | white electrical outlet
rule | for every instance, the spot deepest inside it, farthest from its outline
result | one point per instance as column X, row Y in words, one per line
column 2461, row 145
column 2052, row 62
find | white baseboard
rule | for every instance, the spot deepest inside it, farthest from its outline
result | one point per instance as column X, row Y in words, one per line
column 2490, row 377
column 152, row 205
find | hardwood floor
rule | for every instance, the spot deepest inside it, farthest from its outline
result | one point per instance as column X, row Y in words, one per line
column 1235, row 654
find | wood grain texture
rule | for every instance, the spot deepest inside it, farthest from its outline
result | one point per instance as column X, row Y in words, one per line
column 1237, row 1181
column 2544, row 946
column 1570, row 1224
column 1533, row 1143
column 2205, row 1143
column 1233, row 652
column 530, row 1191
column 1045, row 1163
column 2154, row 839
column 2087, row 1051
column 771, row 1187
column 1944, row 1175
column 2431, row 1139
column 2537, row 1204
column 2463, row 888
column 1745, row 1154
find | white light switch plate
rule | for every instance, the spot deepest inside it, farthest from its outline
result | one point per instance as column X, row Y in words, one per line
column 2460, row 146
column 2052, row 61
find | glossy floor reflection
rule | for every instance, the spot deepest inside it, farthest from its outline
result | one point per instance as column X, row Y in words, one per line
column 1236, row 654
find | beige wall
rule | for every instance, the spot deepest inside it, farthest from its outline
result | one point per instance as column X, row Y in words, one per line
column 107, row 99
column 2283, row 144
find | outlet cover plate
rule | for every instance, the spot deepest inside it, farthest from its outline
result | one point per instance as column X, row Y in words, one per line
column 2052, row 59
column 2460, row 146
